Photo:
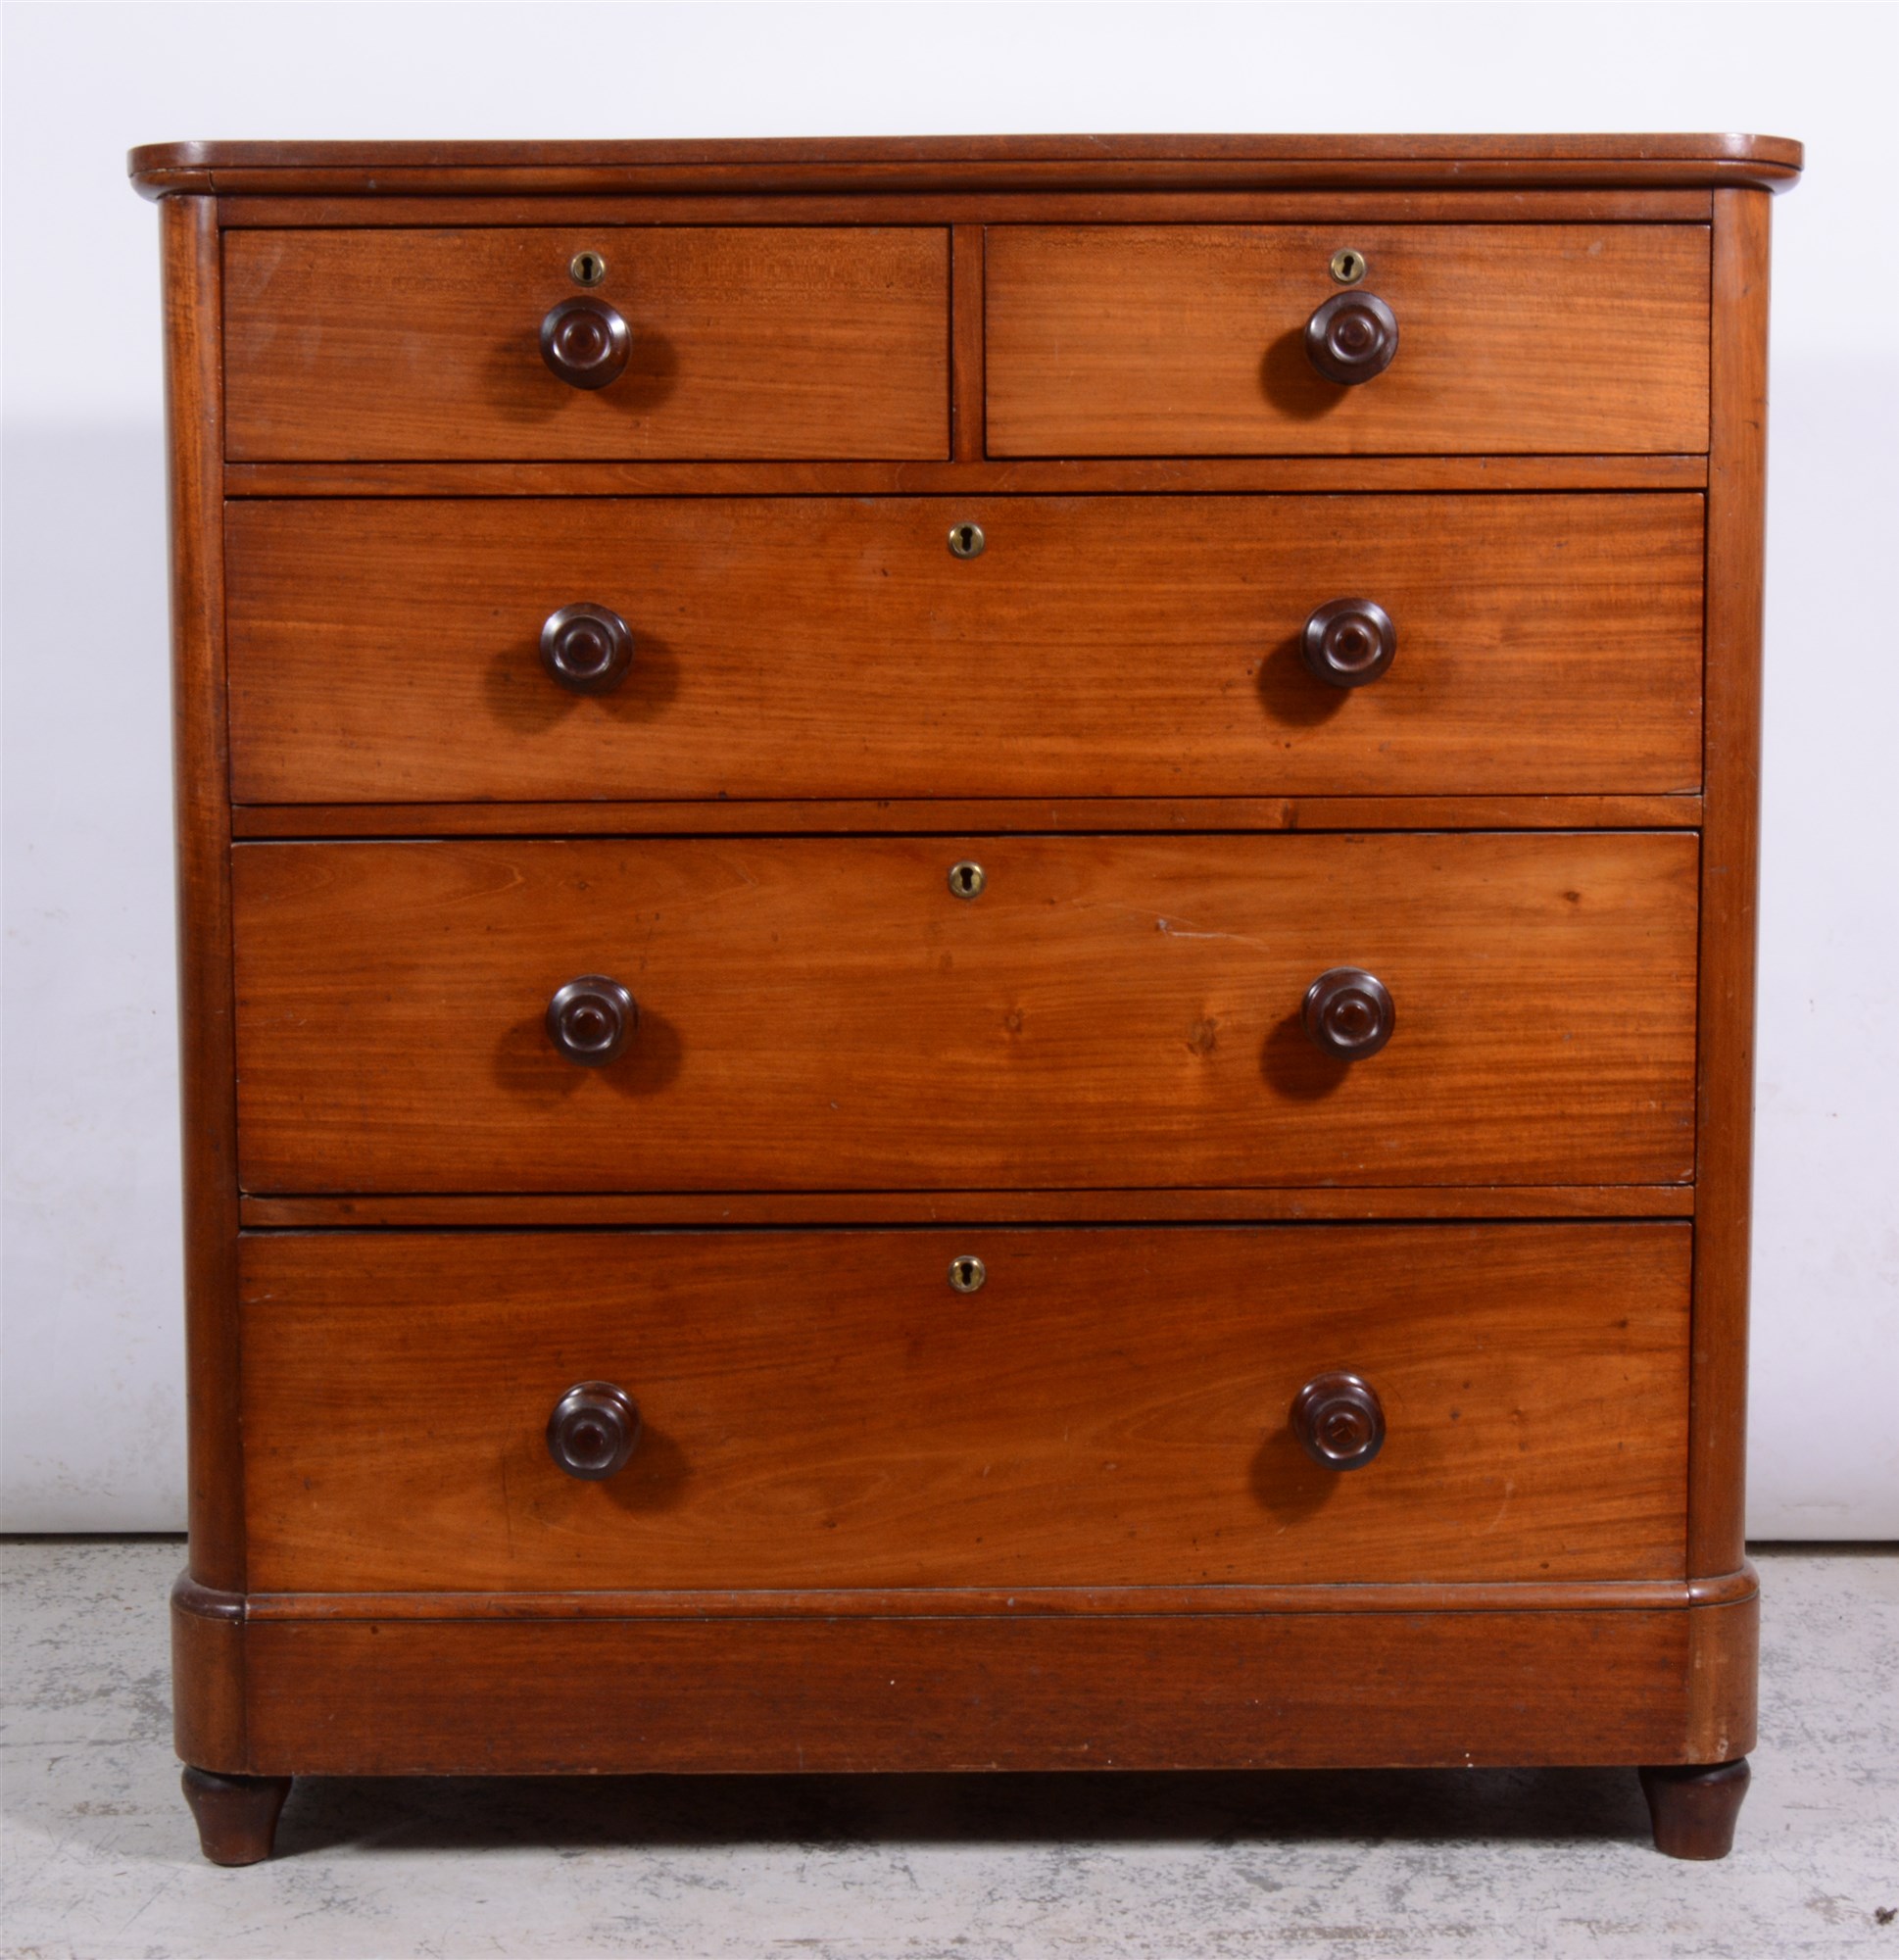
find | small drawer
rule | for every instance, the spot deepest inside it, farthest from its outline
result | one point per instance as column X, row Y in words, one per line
column 1111, row 1407
column 396, row 650
column 975, row 1013
column 1193, row 341
column 722, row 342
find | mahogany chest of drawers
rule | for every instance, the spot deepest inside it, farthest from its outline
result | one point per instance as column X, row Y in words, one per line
column 967, row 955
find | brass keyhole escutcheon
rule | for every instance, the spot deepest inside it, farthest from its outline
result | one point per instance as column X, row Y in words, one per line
column 967, row 880
column 967, row 1274
column 1347, row 266
column 967, row 540
column 588, row 269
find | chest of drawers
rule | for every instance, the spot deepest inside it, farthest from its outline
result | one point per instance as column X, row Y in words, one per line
column 967, row 948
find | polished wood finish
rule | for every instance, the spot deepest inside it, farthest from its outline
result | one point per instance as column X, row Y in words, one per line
column 744, row 343
column 1293, row 1690
column 586, row 648
column 1105, row 646
column 1110, row 1408
column 1143, row 989
column 236, row 1815
column 1339, row 1420
column 837, row 353
column 1693, row 1807
column 1165, row 340
column 201, row 766
column 585, row 342
column 208, row 1672
column 592, row 1432
column 973, row 210
column 940, row 1601
column 1351, row 339
column 590, row 1021
column 1348, row 642
column 989, row 163
column 1199, row 475
column 1348, row 1013
column 1731, row 851
column 1016, row 1206
column 881, row 816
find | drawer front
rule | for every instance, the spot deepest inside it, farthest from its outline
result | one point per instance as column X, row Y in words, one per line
column 820, row 1409
column 391, row 651
column 826, row 1014
column 743, row 342
column 1190, row 340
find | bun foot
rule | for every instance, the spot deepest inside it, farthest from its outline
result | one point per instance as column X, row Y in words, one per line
column 1694, row 1806
column 236, row 1815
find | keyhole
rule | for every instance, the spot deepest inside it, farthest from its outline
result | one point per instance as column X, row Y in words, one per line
column 967, row 540
column 588, row 269
column 967, row 1274
column 1347, row 266
column 967, row 880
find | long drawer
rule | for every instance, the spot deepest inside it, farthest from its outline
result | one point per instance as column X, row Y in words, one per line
column 977, row 1013
column 1111, row 1407
column 1158, row 340
column 750, row 341
column 393, row 650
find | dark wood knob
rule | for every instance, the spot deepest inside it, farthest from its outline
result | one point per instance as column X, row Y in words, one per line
column 1349, row 642
column 585, row 342
column 1348, row 1013
column 593, row 1430
column 1352, row 338
column 587, row 649
column 590, row 1019
column 1339, row 1420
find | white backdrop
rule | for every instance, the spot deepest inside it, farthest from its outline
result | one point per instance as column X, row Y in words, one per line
column 93, row 1397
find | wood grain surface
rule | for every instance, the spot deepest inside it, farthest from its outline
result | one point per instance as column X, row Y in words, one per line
column 884, row 163
column 201, row 823
column 825, row 1014
column 810, row 342
column 387, row 650
column 821, row 1409
column 1632, row 203
column 1170, row 1692
column 1736, row 501
column 1106, row 1207
column 881, row 816
column 1133, row 340
column 1157, row 476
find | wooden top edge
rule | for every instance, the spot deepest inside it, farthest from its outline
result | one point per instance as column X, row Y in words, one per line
column 913, row 163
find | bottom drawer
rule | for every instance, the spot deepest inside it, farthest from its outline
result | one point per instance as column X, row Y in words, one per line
column 1110, row 1406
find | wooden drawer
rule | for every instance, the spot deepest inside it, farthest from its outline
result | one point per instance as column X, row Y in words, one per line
column 1189, row 340
column 746, row 342
column 390, row 651
column 820, row 1409
column 825, row 1013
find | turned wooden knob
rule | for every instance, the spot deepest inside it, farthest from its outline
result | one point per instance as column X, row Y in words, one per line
column 587, row 649
column 1349, row 642
column 593, row 1430
column 1339, row 1420
column 585, row 342
column 1352, row 338
column 590, row 1019
column 1348, row 1013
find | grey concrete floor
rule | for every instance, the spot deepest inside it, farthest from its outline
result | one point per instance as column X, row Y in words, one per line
column 100, row 1859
